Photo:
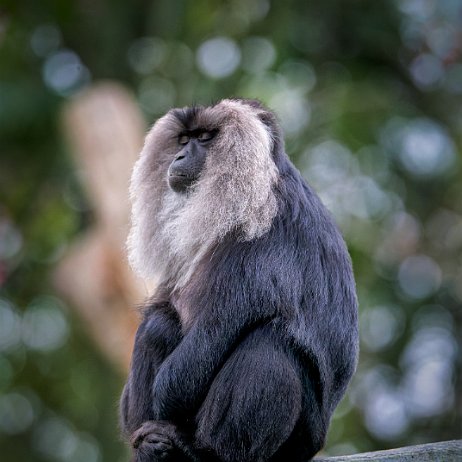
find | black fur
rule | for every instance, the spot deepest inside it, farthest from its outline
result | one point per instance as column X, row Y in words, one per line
column 271, row 350
column 186, row 116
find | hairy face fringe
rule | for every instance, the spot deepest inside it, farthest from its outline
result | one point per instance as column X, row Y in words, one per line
column 171, row 232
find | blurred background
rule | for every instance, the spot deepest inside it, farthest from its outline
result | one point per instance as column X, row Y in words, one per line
column 369, row 96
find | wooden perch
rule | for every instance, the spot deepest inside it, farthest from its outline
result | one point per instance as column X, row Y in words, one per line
column 105, row 130
column 447, row 451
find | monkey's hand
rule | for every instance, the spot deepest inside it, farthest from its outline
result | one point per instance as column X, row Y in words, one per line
column 159, row 440
column 152, row 441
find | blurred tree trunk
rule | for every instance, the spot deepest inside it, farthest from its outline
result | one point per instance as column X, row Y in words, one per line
column 106, row 131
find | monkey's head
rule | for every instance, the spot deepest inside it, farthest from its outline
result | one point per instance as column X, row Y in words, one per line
column 203, row 172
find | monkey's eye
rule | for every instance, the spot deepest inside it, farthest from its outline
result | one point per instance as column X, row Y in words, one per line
column 183, row 139
column 205, row 136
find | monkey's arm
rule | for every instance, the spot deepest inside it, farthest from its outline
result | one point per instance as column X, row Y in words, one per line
column 158, row 334
column 185, row 376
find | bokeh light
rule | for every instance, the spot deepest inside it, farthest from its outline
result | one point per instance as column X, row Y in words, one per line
column 421, row 145
column 427, row 70
column 44, row 326
column 10, row 326
column 419, row 276
column 428, row 361
column 218, row 57
column 64, row 73
column 56, row 439
column 10, row 239
column 258, row 54
column 381, row 326
column 16, row 413
column 156, row 95
column 146, row 54
column 45, row 39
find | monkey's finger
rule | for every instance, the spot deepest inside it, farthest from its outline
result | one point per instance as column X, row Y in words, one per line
column 162, row 440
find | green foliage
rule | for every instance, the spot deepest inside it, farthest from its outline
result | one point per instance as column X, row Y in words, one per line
column 369, row 96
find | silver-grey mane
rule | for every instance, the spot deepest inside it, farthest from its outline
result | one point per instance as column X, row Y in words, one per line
column 171, row 232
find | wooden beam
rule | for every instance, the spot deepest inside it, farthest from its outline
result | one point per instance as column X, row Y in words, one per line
column 446, row 451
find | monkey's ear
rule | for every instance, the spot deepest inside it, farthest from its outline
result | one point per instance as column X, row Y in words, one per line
column 269, row 119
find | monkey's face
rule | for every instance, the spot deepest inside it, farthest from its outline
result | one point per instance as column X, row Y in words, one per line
column 204, row 171
column 189, row 162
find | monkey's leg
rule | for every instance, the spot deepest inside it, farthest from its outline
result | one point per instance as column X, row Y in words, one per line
column 254, row 402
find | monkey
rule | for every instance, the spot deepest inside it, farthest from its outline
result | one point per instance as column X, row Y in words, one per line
column 248, row 343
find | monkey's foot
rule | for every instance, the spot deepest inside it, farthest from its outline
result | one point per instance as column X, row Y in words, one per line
column 153, row 441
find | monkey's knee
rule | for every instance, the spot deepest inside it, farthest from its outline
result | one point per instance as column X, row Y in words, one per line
column 249, row 412
column 303, row 444
column 309, row 434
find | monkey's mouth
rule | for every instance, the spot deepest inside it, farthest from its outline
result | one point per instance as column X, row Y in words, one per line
column 181, row 175
column 180, row 182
